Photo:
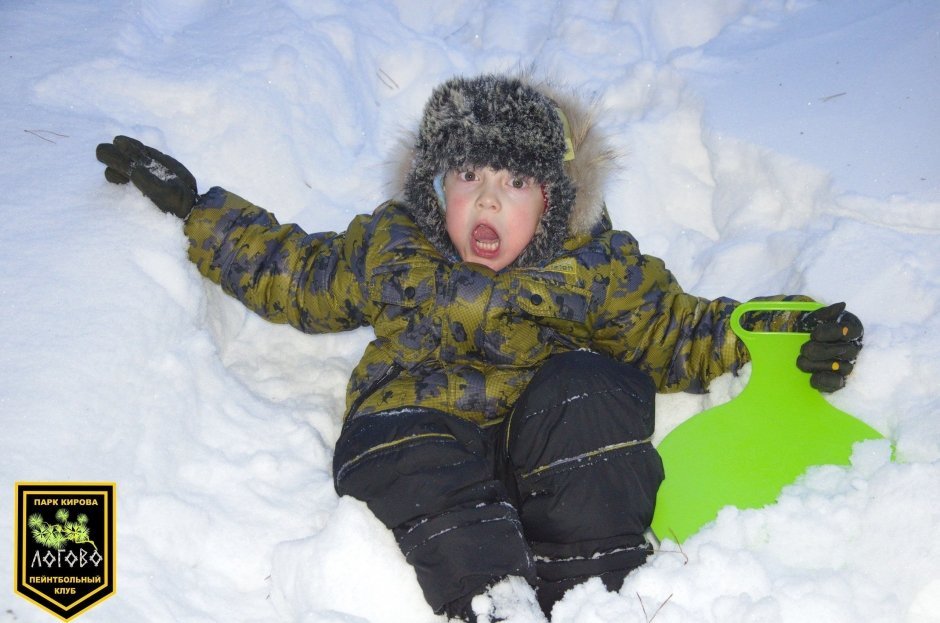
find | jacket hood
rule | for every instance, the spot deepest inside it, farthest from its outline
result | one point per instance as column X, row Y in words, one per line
column 531, row 128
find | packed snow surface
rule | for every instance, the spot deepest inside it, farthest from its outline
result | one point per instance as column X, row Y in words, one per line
column 768, row 146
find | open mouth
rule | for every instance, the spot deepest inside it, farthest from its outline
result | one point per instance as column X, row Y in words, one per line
column 485, row 241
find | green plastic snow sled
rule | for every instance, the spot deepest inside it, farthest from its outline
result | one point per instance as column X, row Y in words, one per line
column 742, row 453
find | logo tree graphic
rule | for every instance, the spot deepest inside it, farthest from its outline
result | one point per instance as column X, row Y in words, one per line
column 55, row 536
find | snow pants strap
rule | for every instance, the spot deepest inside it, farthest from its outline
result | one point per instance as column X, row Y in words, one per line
column 583, row 469
column 429, row 477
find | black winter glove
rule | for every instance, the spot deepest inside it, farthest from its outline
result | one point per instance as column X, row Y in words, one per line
column 834, row 342
column 161, row 178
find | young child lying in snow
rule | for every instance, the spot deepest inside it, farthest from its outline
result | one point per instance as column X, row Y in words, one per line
column 500, row 422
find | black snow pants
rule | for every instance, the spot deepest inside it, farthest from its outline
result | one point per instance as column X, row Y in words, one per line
column 561, row 491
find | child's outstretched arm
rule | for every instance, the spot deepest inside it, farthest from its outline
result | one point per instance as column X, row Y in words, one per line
column 681, row 340
column 312, row 281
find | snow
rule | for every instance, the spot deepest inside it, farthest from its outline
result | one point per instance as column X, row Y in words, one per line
column 770, row 146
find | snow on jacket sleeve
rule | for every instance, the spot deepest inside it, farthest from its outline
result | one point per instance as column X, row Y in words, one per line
column 313, row 282
column 681, row 340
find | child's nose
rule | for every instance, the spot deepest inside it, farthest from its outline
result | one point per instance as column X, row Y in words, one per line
column 489, row 197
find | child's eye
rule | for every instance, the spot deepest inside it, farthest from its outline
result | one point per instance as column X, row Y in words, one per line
column 467, row 176
column 519, row 182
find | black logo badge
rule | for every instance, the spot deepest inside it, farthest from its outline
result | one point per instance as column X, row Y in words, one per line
column 65, row 549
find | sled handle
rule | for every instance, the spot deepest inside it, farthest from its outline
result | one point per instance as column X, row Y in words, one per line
column 774, row 353
column 758, row 306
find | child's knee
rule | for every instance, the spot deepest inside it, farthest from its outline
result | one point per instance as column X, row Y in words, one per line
column 579, row 402
column 409, row 463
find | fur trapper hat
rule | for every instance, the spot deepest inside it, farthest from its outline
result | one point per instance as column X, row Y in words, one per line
column 509, row 123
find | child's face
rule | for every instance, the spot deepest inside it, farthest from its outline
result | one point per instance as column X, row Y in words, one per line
column 491, row 215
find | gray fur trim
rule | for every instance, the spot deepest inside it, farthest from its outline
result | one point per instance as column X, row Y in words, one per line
column 509, row 123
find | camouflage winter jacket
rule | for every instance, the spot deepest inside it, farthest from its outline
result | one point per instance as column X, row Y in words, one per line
column 455, row 336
